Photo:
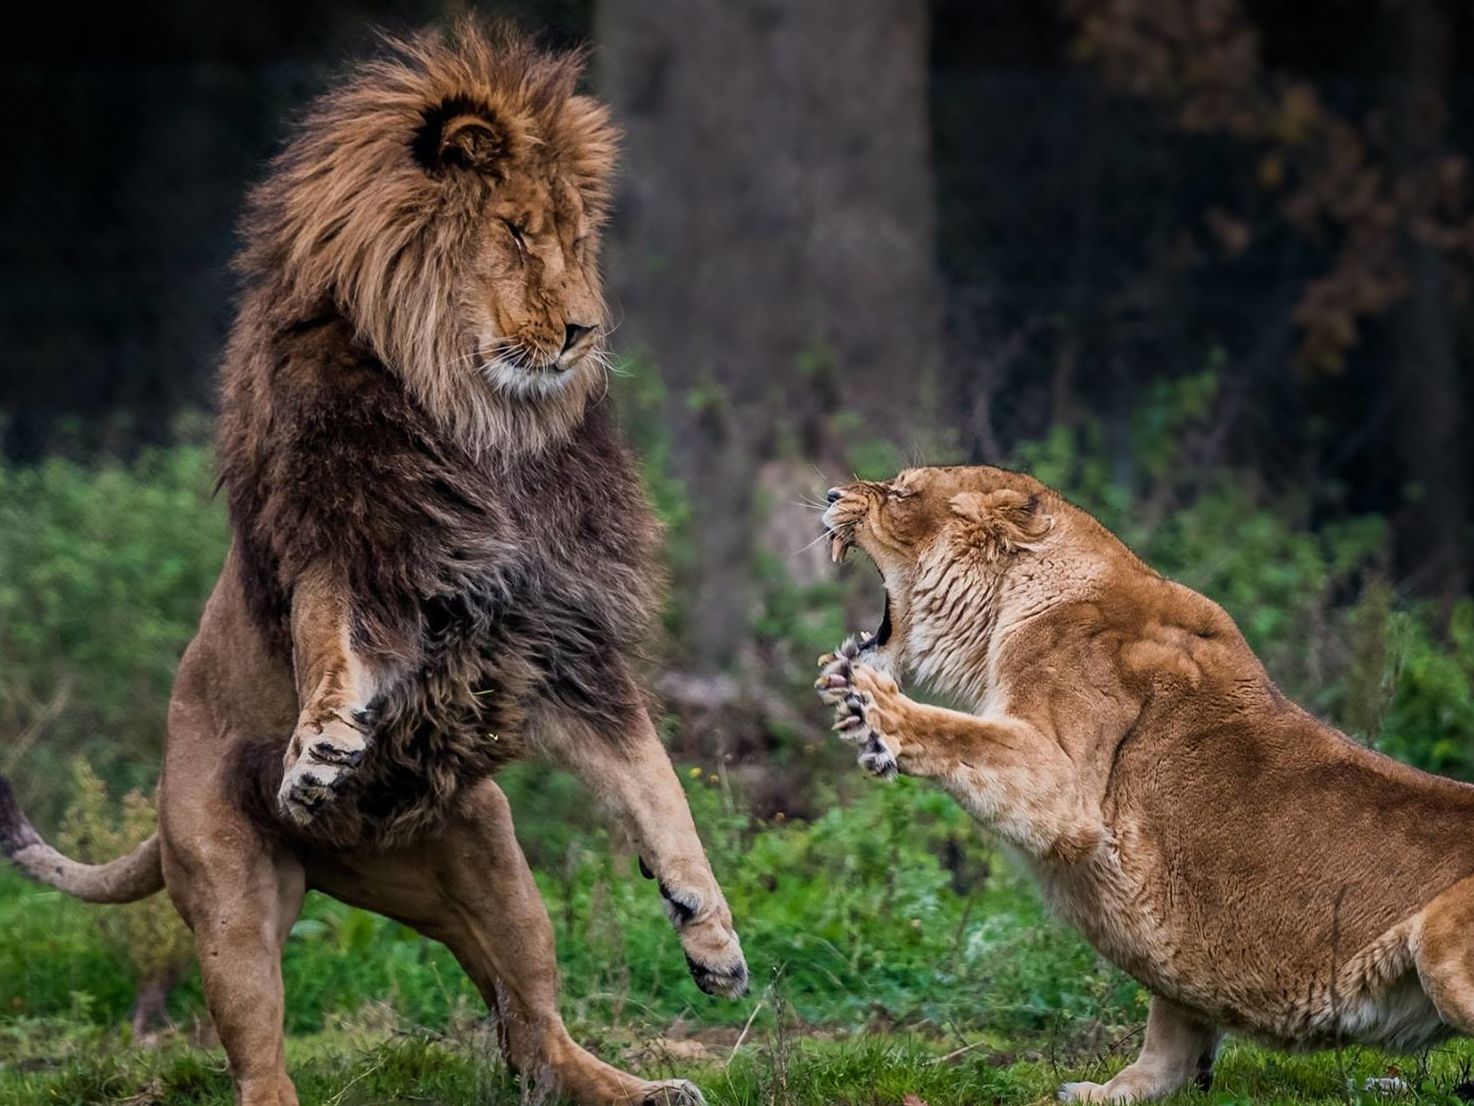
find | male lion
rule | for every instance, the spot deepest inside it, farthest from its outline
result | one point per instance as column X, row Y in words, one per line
column 441, row 561
column 1255, row 869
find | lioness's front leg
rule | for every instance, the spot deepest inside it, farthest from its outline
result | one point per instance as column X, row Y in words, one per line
column 632, row 773
column 1180, row 1047
column 335, row 687
column 1004, row 771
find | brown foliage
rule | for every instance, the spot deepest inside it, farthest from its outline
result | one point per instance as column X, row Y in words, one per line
column 1336, row 179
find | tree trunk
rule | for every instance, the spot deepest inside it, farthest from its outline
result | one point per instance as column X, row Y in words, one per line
column 1427, row 382
column 772, row 250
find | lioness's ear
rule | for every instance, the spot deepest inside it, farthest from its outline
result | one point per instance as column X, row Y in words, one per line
column 1011, row 518
column 458, row 136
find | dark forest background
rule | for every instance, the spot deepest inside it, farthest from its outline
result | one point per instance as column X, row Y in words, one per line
column 1184, row 241
column 1204, row 265
column 978, row 220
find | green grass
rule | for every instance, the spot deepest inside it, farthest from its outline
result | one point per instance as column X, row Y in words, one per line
column 872, row 963
column 372, row 1063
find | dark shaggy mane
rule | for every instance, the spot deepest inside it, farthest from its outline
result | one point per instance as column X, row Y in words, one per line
column 349, row 216
column 502, row 585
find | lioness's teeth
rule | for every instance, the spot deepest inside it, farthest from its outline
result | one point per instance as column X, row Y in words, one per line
column 836, row 549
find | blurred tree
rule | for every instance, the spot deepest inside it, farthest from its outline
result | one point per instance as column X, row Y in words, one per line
column 774, row 241
column 1386, row 191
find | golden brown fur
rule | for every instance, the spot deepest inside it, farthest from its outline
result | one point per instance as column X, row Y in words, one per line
column 1254, row 868
column 442, row 560
column 396, row 205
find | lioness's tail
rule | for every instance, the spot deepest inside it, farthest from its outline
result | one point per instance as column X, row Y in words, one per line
column 126, row 879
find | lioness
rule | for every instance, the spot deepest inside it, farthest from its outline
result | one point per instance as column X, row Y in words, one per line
column 1255, row 869
column 442, row 560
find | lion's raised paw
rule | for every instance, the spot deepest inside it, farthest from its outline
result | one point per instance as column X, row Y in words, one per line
column 325, row 759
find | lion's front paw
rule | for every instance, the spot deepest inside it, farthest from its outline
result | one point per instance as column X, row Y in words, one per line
column 708, row 938
column 862, row 698
column 320, row 761
column 673, row 1092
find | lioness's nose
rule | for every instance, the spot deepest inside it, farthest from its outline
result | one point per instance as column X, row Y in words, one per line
column 834, row 494
column 572, row 333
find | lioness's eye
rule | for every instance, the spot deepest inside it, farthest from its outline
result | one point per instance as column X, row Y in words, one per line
column 898, row 493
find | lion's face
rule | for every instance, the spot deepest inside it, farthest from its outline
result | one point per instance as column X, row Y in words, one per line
column 448, row 201
column 533, row 301
column 529, row 284
column 941, row 538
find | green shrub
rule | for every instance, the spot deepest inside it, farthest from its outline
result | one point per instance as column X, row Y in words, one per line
column 103, row 572
column 888, row 907
column 148, row 936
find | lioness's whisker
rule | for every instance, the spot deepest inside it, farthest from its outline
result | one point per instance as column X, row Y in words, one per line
column 810, row 545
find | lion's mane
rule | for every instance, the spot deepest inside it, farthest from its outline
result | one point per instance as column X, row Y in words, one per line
column 498, row 552
column 349, row 214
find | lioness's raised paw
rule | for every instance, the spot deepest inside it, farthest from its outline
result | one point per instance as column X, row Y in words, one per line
column 855, row 689
column 320, row 761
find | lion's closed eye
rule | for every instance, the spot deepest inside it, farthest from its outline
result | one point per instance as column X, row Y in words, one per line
column 519, row 236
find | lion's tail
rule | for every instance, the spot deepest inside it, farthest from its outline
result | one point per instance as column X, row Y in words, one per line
column 133, row 876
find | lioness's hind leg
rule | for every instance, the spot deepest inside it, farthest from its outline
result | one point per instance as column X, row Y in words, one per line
column 1443, row 951
column 1179, row 1048
column 471, row 889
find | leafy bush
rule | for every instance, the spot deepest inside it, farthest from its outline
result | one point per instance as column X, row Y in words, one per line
column 148, row 936
column 887, row 908
column 103, row 572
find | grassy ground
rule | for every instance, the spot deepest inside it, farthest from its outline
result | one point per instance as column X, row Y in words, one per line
column 360, row 1065
column 894, row 955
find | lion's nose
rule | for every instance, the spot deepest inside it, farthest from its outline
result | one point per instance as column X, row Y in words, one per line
column 572, row 333
column 834, row 494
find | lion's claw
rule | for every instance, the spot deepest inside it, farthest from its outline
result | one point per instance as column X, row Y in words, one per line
column 318, row 767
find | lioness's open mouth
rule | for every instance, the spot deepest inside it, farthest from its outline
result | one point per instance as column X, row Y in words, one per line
column 883, row 631
column 841, row 541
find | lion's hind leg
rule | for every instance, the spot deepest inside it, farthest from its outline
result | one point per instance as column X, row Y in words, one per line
column 470, row 888
column 1179, row 1048
column 240, row 896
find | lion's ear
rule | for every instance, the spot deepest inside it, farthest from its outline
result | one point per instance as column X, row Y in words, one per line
column 1011, row 518
column 455, row 136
